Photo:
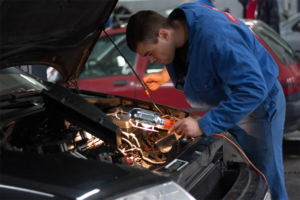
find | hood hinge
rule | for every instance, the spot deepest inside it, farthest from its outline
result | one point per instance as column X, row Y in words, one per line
column 73, row 79
column 70, row 83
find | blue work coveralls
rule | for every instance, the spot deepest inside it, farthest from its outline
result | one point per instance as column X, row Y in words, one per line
column 231, row 72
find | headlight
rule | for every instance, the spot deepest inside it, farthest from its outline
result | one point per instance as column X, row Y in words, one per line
column 268, row 195
column 167, row 191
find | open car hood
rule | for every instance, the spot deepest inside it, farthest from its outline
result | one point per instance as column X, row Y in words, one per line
column 60, row 33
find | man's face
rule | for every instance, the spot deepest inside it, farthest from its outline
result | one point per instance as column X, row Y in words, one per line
column 162, row 52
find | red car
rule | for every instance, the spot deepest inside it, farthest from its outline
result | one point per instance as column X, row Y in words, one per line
column 106, row 71
column 289, row 69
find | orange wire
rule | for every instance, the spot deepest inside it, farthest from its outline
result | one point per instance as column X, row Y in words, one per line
column 244, row 156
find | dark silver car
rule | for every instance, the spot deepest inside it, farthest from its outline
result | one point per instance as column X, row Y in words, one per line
column 61, row 143
column 290, row 32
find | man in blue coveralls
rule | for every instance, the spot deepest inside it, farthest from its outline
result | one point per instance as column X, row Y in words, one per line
column 217, row 62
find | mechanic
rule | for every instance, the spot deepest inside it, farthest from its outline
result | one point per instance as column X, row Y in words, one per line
column 217, row 62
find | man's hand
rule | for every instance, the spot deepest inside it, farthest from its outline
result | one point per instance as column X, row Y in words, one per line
column 154, row 80
column 187, row 127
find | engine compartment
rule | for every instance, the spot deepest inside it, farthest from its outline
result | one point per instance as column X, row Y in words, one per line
column 96, row 126
column 43, row 131
column 139, row 147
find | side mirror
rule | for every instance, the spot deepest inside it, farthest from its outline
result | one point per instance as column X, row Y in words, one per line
column 126, row 70
column 296, row 27
column 297, row 54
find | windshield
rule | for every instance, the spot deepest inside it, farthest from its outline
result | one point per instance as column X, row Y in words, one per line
column 14, row 79
column 106, row 61
column 281, row 49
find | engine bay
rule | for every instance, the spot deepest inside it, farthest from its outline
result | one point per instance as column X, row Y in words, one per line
column 139, row 146
column 142, row 138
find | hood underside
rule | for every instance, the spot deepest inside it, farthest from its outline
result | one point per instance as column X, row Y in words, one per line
column 59, row 33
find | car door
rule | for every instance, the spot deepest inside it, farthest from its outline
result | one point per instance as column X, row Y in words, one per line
column 166, row 94
column 106, row 70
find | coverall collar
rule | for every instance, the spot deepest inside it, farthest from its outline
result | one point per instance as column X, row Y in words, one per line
column 179, row 13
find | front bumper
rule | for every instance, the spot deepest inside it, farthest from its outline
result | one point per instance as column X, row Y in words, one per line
column 215, row 170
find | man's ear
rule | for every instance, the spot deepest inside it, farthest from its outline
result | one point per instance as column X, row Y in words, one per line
column 164, row 34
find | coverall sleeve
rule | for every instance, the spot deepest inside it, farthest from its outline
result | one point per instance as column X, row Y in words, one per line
column 239, row 70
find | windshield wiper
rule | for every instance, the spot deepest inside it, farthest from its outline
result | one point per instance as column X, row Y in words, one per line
column 19, row 104
column 20, row 93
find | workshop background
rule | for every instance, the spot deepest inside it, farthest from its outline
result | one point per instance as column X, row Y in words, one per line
column 291, row 143
column 285, row 6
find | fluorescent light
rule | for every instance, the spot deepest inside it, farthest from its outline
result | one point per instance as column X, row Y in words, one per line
column 153, row 70
column 88, row 194
column 26, row 190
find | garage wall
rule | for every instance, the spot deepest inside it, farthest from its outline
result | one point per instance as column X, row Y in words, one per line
column 160, row 5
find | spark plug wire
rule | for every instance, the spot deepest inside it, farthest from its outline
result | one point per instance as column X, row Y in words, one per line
column 243, row 155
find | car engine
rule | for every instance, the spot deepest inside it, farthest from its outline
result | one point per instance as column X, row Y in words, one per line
column 141, row 145
column 101, row 128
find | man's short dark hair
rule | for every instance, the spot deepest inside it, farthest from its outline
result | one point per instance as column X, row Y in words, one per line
column 144, row 26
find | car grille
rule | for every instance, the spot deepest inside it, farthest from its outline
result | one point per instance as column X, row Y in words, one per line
column 206, row 185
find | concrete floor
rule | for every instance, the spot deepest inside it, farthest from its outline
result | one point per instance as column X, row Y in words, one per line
column 291, row 164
